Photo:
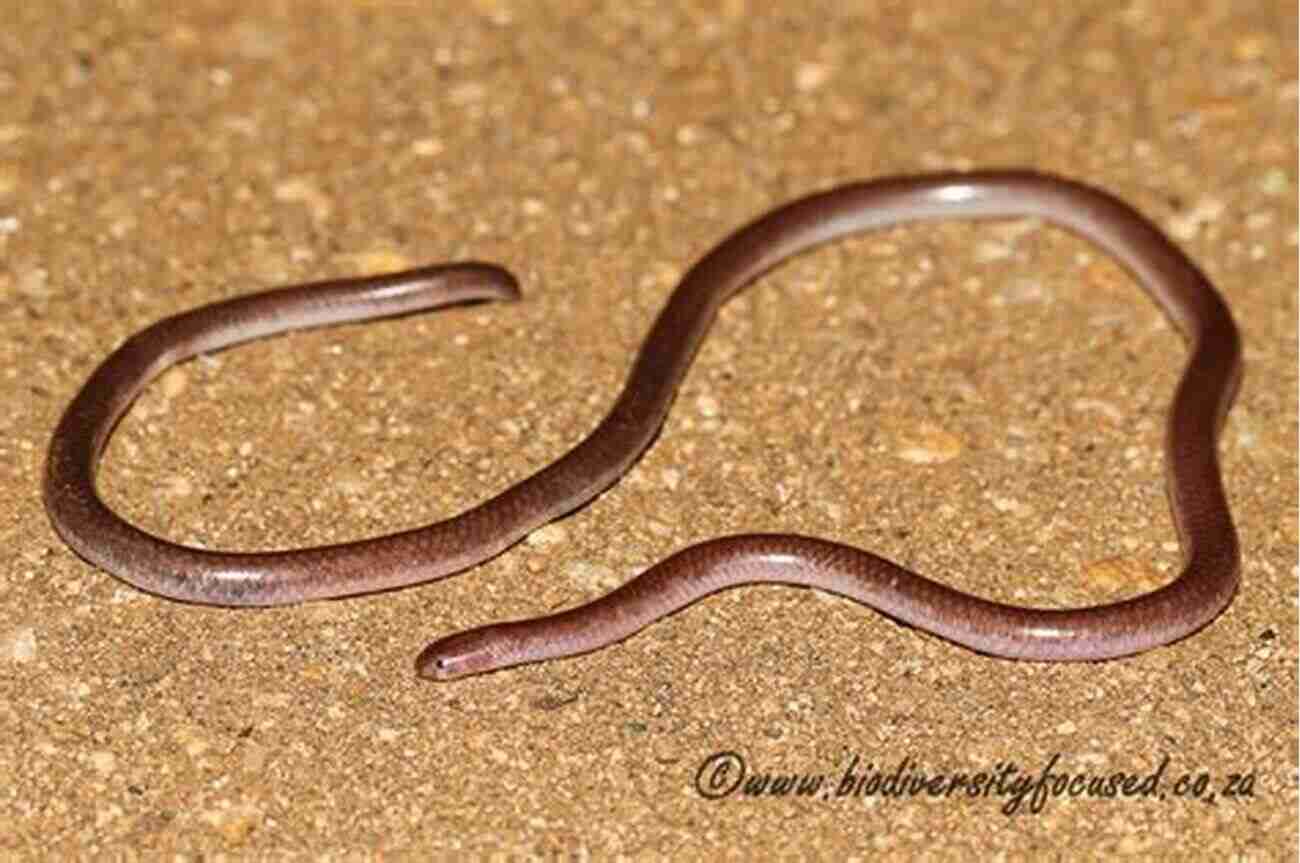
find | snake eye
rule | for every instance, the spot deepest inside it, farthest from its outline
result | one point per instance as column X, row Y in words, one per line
column 443, row 667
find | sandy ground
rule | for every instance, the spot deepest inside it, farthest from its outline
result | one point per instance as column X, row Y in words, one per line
column 983, row 403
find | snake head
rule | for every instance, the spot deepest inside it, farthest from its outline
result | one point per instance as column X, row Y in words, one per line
column 473, row 651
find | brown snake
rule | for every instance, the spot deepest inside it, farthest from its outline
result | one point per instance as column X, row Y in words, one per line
column 1205, row 392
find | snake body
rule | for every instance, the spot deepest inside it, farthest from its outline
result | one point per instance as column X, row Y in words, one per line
column 1204, row 394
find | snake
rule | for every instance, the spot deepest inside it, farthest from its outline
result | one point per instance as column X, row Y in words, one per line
column 1207, row 536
